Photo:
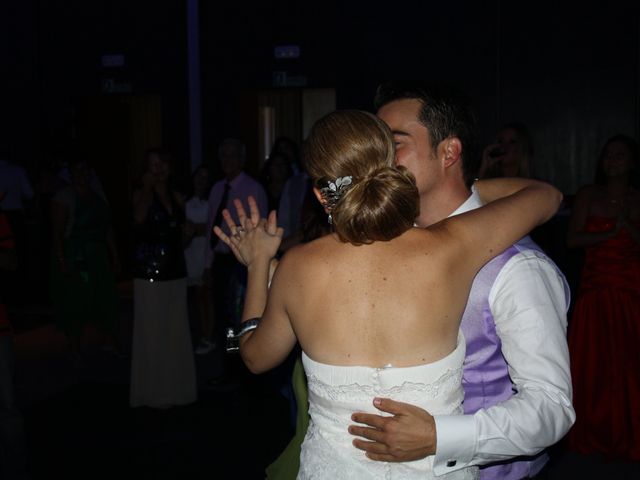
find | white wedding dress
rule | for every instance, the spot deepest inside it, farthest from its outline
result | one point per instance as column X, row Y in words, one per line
column 335, row 392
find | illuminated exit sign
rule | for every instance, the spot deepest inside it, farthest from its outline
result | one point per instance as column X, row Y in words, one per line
column 112, row 60
column 287, row 51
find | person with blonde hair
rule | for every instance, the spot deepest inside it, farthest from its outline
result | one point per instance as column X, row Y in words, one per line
column 510, row 155
column 376, row 304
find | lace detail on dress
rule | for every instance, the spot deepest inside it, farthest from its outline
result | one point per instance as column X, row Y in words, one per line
column 417, row 390
column 336, row 392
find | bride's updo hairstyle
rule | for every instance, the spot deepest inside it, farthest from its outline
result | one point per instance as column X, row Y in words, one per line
column 382, row 201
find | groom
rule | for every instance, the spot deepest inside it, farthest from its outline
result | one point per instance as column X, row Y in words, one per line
column 516, row 376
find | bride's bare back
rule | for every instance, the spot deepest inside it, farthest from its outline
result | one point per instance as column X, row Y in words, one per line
column 385, row 303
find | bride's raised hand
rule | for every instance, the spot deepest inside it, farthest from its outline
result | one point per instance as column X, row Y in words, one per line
column 254, row 211
column 271, row 225
column 259, row 243
column 254, row 218
column 226, row 239
column 244, row 240
column 273, row 229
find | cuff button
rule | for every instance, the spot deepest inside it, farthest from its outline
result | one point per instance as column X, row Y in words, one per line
column 451, row 463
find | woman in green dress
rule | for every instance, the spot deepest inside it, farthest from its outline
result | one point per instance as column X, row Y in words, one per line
column 83, row 286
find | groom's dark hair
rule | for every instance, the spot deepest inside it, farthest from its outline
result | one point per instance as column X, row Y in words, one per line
column 446, row 112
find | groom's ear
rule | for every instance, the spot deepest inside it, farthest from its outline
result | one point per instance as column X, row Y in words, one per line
column 452, row 151
column 316, row 192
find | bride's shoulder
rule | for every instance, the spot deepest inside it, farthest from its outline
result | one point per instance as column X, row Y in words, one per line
column 419, row 246
column 307, row 252
column 418, row 238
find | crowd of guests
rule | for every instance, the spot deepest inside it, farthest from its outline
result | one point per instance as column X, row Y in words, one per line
column 179, row 267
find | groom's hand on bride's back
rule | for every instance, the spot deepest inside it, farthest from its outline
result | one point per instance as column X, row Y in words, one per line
column 409, row 434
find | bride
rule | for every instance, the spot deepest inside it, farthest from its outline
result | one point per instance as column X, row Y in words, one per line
column 376, row 304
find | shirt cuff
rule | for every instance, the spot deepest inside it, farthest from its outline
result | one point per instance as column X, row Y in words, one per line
column 456, row 442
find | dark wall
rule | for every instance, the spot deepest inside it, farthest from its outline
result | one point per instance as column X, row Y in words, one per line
column 56, row 49
column 570, row 72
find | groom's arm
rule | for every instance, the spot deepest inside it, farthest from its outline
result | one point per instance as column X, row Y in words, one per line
column 529, row 305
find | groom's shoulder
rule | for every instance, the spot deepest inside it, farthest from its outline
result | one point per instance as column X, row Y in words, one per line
column 526, row 259
column 526, row 249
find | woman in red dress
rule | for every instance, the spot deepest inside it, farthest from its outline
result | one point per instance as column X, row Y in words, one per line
column 604, row 333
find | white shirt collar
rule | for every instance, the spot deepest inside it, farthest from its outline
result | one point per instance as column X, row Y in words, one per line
column 469, row 204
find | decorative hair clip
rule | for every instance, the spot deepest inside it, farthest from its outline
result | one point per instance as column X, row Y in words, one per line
column 334, row 190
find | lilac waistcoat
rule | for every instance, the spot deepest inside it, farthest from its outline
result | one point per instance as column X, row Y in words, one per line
column 486, row 378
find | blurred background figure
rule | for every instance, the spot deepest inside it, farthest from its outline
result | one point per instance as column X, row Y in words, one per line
column 605, row 326
column 222, row 272
column 292, row 213
column 13, row 460
column 289, row 148
column 84, row 258
column 275, row 173
column 18, row 192
column 64, row 173
column 162, row 363
column 197, row 209
column 15, row 184
column 510, row 155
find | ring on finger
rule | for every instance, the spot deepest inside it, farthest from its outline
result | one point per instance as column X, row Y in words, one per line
column 238, row 231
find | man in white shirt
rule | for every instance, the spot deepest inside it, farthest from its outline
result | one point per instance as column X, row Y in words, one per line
column 516, row 378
